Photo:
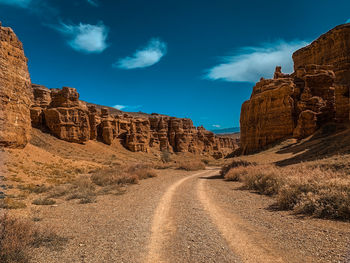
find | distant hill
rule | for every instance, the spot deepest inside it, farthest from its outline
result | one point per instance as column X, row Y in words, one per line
column 226, row 131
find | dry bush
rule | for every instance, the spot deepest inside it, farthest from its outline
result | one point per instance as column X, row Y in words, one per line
column 60, row 190
column 32, row 188
column 108, row 177
column 312, row 191
column 264, row 180
column 43, row 201
column 162, row 166
column 235, row 163
column 165, row 157
column 10, row 203
column 17, row 236
column 235, row 174
column 83, row 189
column 15, row 239
column 191, row 165
column 142, row 171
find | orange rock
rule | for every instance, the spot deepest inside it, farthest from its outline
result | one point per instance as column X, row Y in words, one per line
column 15, row 91
column 332, row 48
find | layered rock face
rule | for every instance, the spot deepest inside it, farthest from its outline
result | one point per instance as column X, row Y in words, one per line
column 15, row 91
column 298, row 104
column 62, row 114
column 332, row 48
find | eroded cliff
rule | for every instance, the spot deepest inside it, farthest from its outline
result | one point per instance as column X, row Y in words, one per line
column 15, row 91
column 297, row 104
column 62, row 114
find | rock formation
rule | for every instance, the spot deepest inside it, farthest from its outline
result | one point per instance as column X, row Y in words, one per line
column 15, row 91
column 297, row 104
column 332, row 48
column 62, row 114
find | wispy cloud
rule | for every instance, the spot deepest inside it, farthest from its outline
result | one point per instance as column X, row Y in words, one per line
column 127, row 107
column 249, row 64
column 93, row 2
column 145, row 57
column 19, row 3
column 216, row 125
column 85, row 37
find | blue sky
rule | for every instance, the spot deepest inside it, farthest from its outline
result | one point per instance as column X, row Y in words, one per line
column 197, row 59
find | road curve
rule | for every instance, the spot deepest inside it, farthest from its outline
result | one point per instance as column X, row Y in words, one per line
column 189, row 217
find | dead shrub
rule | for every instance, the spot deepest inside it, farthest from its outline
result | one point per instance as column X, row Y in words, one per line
column 165, row 157
column 234, row 174
column 15, row 239
column 142, row 171
column 264, row 181
column 235, row 163
column 10, row 203
column 17, row 236
column 305, row 190
column 191, row 165
column 44, row 201
column 37, row 189
column 60, row 190
column 110, row 177
column 83, row 189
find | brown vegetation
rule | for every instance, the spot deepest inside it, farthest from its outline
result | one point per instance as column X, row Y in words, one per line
column 306, row 189
column 17, row 236
column 191, row 165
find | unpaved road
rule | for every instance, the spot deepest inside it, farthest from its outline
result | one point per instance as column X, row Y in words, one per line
column 190, row 217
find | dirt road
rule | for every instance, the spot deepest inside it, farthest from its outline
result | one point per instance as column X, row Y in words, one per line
column 190, row 217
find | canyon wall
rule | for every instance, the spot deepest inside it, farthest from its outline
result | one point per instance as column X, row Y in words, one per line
column 61, row 113
column 15, row 91
column 297, row 104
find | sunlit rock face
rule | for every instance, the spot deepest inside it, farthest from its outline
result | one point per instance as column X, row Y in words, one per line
column 332, row 48
column 296, row 105
column 60, row 112
column 15, row 91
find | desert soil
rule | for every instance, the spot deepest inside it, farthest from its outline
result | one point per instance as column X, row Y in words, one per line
column 189, row 217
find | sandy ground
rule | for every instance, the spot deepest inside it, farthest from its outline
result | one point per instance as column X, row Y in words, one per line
column 189, row 217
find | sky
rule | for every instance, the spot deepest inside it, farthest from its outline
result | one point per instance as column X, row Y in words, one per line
column 186, row 58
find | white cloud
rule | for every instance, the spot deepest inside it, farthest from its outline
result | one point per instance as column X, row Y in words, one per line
column 249, row 64
column 93, row 2
column 19, row 3
column 216, row 125
column 85, row 37
column 127, row 107
column 119, row 107
column 145, row 57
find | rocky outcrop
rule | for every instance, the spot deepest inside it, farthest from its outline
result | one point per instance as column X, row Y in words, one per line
column 332, row 48
column 297, row 104
column 62, row 114
column 15, row 91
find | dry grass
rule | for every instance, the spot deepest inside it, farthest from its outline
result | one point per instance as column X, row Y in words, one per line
column 43, row 201
column 32, row 188
column 108, row 177
column 11, row 203
column 191, row 165
column 307, row 190
column 18, row 236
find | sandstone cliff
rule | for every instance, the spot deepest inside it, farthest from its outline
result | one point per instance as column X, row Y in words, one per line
column 62, row 114
column 298, row 104
column 15, row 91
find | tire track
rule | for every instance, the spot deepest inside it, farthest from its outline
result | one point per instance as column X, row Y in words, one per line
column 162, row 226
column 250, row 248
